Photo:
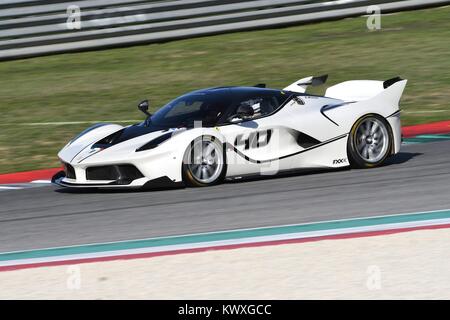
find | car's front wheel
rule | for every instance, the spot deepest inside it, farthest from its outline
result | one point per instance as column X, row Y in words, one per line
column 204, row 162
column 370, row 142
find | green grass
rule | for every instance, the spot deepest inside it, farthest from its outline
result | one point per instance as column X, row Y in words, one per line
column 107, row 85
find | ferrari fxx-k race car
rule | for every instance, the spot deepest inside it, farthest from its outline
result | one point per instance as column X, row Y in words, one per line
column 208, row 135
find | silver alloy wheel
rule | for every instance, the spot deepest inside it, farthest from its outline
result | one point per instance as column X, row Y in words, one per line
column 205, row 161
column 372, row 140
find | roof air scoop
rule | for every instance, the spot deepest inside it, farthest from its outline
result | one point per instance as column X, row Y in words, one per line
column 301, row 85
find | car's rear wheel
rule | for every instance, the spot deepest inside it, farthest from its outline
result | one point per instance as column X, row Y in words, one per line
column 204, row 162
column 370, row 141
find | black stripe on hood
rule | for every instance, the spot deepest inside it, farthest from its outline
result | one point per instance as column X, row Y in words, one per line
column 125, row 134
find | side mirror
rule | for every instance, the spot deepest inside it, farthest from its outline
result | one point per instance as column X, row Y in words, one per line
column 245, row 112
column 143, row 106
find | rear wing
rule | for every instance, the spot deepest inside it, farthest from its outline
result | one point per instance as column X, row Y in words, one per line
column 359, row 90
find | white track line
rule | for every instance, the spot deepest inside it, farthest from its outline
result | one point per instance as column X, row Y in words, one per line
column 41, row 181
column 68, row 123
column 9, row 188
column 76, row 122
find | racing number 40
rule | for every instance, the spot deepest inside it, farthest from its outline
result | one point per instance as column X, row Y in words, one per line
column 254, row 140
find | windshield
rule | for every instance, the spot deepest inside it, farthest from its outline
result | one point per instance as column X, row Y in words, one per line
column 216, row 106
column 201, row 106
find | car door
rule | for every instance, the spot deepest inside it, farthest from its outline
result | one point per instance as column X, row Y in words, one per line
column 256, row 144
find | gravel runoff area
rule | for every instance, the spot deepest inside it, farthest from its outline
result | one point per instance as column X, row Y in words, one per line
column 411, row 265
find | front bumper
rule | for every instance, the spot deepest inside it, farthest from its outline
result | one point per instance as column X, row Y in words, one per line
column 164, row 182
column 61, row 179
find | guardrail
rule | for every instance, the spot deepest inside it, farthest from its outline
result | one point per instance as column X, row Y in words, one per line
column 39, row 27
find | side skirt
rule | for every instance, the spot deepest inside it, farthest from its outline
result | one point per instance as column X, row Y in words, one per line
column 286, row 172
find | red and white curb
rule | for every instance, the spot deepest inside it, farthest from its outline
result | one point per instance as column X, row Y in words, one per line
column 26, row 179
column 441, row 127
column 20, row 180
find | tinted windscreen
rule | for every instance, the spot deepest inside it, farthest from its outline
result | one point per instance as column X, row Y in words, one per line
column 207, row 107
column 217, row 106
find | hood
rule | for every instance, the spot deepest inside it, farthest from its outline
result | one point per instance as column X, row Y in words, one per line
column 108, row 136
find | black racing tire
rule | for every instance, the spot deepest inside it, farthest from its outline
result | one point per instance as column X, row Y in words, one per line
column 204, row 162
column 370, row 142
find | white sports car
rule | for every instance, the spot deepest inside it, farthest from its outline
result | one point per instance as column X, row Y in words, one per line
column 209, row 135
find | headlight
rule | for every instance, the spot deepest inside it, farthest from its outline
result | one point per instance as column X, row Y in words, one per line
column 155, row 142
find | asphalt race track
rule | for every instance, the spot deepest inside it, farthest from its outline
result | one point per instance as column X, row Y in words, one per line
column 417, row 179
